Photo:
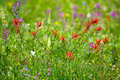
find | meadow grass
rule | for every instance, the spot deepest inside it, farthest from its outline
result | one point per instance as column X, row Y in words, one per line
column 59, row 40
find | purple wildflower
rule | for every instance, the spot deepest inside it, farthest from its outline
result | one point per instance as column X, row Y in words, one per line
column 58, row 7
column 112, row 51
column 91, row 44
column 3, row 38
column 48, row 11
column 5, row 34
column 84, row 3
column 17, row 59
column 66, row 23
column 82, row 15
column 48, row 74
column 75, row 15
column 48, row 69
column 75, row 7
column 35, row 77
column 26, row 68
column 16, row 9
column 88, row 50
column 38, row 74
column 61, row 15
column 7, row 31
column 98, row 5
column 98, row 14
column 113, row 14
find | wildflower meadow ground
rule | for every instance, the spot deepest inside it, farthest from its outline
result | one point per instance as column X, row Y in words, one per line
column 59, row 40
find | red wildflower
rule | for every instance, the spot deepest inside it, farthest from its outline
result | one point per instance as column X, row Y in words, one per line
column 95, row 46
column 108, row 18
column 88, row 25
column 94, row 21
column 16, row 21
column 39, row 24
column 63, row 38
column 85, row 40
column 105, row 40
column 69, row 55
column 54, row 32
column 72, row 58
column 75, row 36
column 99, row 28
column 34, row 33
column 98, row 41
column 18, row 30
column 86, row 30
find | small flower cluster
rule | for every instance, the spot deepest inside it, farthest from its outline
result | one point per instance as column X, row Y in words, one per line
column 2, row 15
column 54, row 32
column 96, row 46
column 17, row 23
column 16, row 9
column 39, row 74
column 75, row 14
column 95, row 21
column 36, row 76
column 69, row 55
column 49, row 72
column 39, row 24
column 5, row 34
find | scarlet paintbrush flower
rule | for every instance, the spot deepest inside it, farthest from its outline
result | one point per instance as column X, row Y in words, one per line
column 75, row 36
column 69, row 54
column 105, row 40
column 16, row 21
column 54, row 32
column 63, row 38
column 108, row 18
column 88, row 25
column 18, row 30
column 95, row 46
column 85, row 40
column 72, row 58
column 34, row 33
column 94, row 21
column 98, row 41
column 86, row 30
column 39, row 24
column 99, row 28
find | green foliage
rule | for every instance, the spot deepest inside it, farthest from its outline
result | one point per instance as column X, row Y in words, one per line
column 23, row 55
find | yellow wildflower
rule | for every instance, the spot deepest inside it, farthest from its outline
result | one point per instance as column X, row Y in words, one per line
column 11, row 50
column 84, row 75
column 56, row 23
column 67, row 15
column 67, row 26
column 10, row 4
column 110, row 64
